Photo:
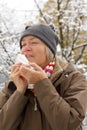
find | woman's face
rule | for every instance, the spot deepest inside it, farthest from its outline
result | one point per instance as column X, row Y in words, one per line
column 35, row 50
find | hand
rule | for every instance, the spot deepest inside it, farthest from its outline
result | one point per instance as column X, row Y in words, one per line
column 32, row 75
column 20, row 82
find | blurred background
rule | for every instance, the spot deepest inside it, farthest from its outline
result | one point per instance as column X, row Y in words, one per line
column 69, row 18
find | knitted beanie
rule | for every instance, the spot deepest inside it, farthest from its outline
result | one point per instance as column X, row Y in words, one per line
column 45, row 33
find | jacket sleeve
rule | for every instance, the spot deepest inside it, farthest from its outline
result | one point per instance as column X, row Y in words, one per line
column 11, row 107
column 63, row 112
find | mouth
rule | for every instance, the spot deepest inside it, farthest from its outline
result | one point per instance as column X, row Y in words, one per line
column 29, row 56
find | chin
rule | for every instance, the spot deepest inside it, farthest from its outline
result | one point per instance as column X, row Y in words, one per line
column 31, row 60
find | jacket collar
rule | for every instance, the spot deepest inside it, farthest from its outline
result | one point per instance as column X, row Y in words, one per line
column 59, row 67
column 61, row 71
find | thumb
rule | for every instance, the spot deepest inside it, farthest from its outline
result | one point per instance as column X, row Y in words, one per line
column 35, row 66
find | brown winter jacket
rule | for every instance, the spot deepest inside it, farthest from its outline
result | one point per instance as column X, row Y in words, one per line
column 60, row 104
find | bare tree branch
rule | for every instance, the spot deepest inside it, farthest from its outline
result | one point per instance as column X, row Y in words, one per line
column 5, row 24
column 80, row 55
column 79, row 46
column 41, row 12
column 4, row 48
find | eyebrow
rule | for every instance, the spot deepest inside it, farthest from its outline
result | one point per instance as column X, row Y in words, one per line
column 32, row 38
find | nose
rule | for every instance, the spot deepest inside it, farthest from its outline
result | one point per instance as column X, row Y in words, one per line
column 27, row 47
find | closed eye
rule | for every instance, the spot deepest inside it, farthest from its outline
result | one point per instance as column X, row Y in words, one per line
column 34, row 43
column 23, row 44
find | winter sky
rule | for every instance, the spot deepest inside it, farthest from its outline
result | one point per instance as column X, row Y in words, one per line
column 21, row 4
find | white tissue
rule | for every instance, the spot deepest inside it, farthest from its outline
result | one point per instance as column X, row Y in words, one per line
column 22, row 59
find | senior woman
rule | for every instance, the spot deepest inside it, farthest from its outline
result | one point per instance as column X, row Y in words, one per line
column 58, row 98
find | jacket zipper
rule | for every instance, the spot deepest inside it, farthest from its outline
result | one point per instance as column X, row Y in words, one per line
column 35, row 103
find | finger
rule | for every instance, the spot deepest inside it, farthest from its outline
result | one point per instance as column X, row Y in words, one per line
column 15, row 67
column 36, row 67
column 25, row 72
column 24, row 69
column 14, row 75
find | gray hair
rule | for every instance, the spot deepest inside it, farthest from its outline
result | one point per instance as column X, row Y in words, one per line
column 49, row 53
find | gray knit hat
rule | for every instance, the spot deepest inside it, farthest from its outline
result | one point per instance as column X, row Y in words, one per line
column 45, row 33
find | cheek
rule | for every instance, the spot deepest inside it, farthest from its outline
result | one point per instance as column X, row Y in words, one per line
column 41, row 51
column 41, row 54
column 23, row 50
column 41, row 58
